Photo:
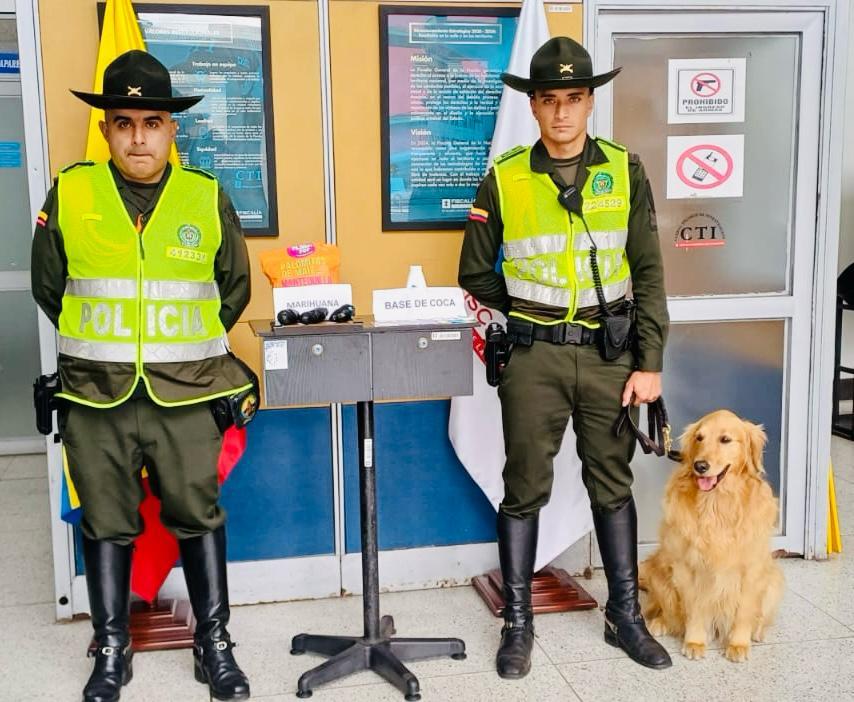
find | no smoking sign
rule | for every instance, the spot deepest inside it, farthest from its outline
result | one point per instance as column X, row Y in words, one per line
column 705, row 166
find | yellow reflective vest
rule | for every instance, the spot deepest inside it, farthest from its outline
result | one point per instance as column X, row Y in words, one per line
column 546, row 249
column 145, row 299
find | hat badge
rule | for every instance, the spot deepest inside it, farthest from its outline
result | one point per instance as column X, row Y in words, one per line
column 566, row 68
column 135, row 91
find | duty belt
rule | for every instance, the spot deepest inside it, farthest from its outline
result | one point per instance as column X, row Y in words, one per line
column 526, row 333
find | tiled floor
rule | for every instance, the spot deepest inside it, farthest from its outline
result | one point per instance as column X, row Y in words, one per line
column 809, row 654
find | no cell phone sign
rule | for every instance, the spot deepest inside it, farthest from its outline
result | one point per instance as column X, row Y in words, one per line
column 705, row 166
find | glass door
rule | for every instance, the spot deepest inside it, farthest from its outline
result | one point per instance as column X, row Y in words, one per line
column 726, row 120
column 19, row 349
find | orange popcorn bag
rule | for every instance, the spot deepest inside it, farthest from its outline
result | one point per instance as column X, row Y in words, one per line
column 315, row 263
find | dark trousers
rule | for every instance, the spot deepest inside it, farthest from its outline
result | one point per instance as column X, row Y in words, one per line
column 107, row 449
column 542, row 386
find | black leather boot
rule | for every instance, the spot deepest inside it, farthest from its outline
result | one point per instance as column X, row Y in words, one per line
column 617, row 533
column 108, row 582
column 203, row 558
column 517, row 546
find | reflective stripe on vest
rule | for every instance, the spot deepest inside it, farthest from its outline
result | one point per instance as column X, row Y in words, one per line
column 561, row 297
column 145, row 297
column 547, row 251
column 556, row 243
column 108, row 352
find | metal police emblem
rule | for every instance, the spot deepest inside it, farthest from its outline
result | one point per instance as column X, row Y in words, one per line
column 189, row 235
column 602, row 184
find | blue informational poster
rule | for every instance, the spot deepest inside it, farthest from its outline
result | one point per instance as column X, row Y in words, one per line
column 10, row 154
column 224, row 57
column 441, row 88
column 10, row 63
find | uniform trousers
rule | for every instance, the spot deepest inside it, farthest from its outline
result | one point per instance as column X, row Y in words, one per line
column 107, row 449
column 542, row 386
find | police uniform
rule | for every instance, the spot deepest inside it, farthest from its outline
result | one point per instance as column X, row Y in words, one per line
column 142, row 282
column 170, row 428
column 550, row 289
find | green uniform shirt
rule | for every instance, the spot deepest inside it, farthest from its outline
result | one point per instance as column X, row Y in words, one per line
column 49, row 265
column 484, row 237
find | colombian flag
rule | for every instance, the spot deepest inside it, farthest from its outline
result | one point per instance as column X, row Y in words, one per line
column 476, row 214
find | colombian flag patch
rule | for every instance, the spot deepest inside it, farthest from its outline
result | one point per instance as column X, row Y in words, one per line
column 41, row 218
column 478, row 215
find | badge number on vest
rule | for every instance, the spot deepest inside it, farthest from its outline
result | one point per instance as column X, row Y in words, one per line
column 182, row 254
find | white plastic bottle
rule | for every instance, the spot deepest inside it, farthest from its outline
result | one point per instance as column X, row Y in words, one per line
column 416, row 278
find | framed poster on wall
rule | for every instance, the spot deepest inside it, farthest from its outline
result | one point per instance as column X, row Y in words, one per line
column 440, row 88
column 223, row 53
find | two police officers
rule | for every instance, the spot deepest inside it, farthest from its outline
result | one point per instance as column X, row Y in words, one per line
column 574, row 219
column 142, row 267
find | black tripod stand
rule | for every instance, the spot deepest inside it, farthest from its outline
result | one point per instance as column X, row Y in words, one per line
column 376, row 650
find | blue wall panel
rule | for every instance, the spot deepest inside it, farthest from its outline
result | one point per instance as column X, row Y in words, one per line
column 425, row 497
column 279, row 497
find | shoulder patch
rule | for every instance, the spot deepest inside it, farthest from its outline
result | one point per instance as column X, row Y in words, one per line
column 507, row 155
column 612, row 144
column 76, row 164
column 200, row 171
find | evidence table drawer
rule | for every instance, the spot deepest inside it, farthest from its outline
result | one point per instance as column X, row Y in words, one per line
column 317, row 369
column 421, row 363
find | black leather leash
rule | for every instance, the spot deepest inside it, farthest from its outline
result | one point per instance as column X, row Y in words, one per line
column 659, row 427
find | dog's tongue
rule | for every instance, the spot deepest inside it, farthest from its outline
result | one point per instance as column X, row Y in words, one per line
column 707, row 484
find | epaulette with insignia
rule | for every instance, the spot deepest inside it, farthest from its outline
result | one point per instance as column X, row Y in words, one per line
column 76, row 164
column 510, row 153
column 200, row 171
column 613, row 144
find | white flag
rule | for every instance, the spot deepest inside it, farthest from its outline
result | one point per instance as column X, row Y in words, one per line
column 475, row 422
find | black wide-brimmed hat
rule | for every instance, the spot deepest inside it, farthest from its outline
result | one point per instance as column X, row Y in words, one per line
column 559, row 63
column 137, row 80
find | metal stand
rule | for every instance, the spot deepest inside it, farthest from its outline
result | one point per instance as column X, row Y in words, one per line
column 376, row 650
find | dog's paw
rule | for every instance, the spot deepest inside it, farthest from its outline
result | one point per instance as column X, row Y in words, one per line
column 737, row 653
column 758, row 635
column 656, row 626
column 693, row 651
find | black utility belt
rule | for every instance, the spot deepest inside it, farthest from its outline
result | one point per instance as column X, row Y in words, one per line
column 526, row 333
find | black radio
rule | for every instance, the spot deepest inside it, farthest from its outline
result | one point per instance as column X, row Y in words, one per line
column 497, row 352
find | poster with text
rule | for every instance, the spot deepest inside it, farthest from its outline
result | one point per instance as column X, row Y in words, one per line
column 223, row 55
column 441, row 88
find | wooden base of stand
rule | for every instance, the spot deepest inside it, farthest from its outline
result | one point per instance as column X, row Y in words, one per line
column 162, row 625
column 552, row 590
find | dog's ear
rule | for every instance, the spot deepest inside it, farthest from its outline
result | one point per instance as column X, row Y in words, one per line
column 686, row 441
column 757, row 438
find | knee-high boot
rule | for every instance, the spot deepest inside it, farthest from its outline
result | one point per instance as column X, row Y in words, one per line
column 204, row 563
column 617, row 533
column 108, row 583
column 517, row 547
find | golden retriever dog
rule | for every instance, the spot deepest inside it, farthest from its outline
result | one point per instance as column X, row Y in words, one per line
column 713, row 574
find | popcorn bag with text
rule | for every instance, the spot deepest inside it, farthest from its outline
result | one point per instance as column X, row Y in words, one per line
column 315, row 263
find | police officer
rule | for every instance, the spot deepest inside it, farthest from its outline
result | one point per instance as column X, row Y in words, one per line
column 566, row 269
column 142, row 268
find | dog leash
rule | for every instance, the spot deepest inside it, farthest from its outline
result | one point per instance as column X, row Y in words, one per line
column 659, row 426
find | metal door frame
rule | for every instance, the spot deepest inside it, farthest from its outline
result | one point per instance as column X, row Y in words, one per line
column 808, row 309
column 18, row 281
column 38, row 181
